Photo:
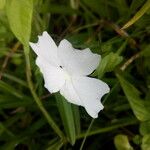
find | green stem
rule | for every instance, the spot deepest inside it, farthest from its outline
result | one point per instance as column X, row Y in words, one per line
column 86, row 134
column 36, row 98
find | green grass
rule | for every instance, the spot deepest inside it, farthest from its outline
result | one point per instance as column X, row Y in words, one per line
column 31, row 118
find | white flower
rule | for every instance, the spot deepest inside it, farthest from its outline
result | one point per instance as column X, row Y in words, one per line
column 65, row 69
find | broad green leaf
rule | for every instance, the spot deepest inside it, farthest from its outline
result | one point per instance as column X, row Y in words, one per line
column 145, row 127
column 108, row 63
column 67, row 117
column 138, row 15
column 138, row 106
column 122, row 143
column 2, row 3
column 146, row 142
column 19, row 13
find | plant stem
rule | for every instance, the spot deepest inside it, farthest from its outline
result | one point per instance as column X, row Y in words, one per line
column 36, row 98
column 86, row 134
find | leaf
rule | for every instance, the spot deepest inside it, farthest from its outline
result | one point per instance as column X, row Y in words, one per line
column 133, row 95
column 122, row 7
column 145, row 127
column 2, row 3
column 122, row 143
column 108, row 63
column 138, row 15
column 97, row 6
column 146, row 51
column 67, row 117
column 19, row 13
column 76, row 115
column 4, row 129
column 146, row 142
column 135, row 5
column 9, row 89
column 56, row 9
column 55, row 144
column 9, row 101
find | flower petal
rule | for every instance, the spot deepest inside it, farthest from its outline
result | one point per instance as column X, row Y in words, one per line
column 54, row 77
column 46, row 48
column 77, row 62
column 86, row 92
column 69, row 92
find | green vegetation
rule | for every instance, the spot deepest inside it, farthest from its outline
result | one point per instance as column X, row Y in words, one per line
column 31, row 118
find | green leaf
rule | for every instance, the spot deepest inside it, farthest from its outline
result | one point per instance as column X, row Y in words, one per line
column 138, row 106
column 135, row 5
column 76, row 115
column 56, row 9
column 145, row 127
column 2, row 3
column 122, row 7
column 19, row 13
column 146, row 142
column 97, row 6
column 122, row 143
column 138, row 15
column 15, row 79
column 9, row 89
column 4, row 129
column 55, row 144
column 9, row 101
column 108, row 63
column 146, row 51
column 66, row 113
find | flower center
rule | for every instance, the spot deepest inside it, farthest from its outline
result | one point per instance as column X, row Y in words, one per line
column 66, row 75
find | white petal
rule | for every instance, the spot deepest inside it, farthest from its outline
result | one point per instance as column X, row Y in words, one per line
column 69, row 92
column 86, row 92
column 77, row 62
column 54, row 77
column 46, row 48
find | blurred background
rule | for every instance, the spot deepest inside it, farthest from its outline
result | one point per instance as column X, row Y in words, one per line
column 33, row 119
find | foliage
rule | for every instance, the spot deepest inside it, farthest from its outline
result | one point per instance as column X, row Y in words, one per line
column 32, row 118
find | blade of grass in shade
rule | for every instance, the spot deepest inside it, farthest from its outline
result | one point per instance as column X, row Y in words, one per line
column 11, row 145
column 4, row 129
column 138, row 15
column 55, row 144
column 67, row 117
column 119, row 124
column 10, row 101
column 15, row 79
column 8, row 88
